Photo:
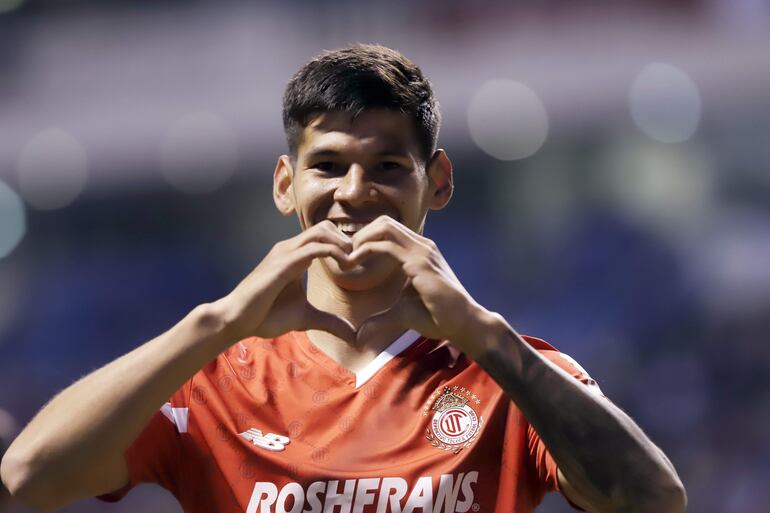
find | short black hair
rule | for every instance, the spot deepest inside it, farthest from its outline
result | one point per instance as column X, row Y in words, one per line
column 356, row 78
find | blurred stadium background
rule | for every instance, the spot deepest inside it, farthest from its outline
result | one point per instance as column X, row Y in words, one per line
column 612, row 163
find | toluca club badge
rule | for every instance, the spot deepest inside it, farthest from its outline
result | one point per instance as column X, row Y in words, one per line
column 454, row 424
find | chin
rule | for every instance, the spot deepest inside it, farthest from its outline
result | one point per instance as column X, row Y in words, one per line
column 372, row 274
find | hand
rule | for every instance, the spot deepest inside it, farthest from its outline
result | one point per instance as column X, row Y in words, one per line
column 433, row 301
column 271, row 300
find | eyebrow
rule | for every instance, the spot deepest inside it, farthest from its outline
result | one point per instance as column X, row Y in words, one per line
column 389, row 151
column 394, row 151
column 314, row 154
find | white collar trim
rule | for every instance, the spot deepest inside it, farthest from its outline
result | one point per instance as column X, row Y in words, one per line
column 393, row 350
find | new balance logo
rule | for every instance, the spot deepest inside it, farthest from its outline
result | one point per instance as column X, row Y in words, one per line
column 270, row 441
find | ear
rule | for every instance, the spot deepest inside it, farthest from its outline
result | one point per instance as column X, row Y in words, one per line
column 439, row 172
column 283, row 193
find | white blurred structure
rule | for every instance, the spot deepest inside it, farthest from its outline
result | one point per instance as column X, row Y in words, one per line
column 52, row 169
column 7, row 6
column 13, row 219
column 119, row 77
column 665, row 103
column 507, row 120
column 199, row 153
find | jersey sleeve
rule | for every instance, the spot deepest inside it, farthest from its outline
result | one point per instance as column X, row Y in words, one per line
column 156, row 456
column 545, row 466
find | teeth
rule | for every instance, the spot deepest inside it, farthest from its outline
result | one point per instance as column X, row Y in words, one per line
column 350, row 227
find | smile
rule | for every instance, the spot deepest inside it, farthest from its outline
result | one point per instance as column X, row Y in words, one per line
column 349, row 227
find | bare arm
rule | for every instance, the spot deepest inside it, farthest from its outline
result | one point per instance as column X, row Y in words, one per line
column 74, row 447
column 606, row 463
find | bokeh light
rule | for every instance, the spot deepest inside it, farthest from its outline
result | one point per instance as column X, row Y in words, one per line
column 635, row 237
column 13, row 220
column 199, row 153
column 507, row 120
column 666, row 187
column 8, row 424
column 730, row 263
column 7, row 6
column 665, row 103
column 52, row 169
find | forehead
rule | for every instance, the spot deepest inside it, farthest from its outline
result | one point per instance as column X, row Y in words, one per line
column 374, row 130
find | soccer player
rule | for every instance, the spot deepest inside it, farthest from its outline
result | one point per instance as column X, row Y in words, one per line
column 382, row 387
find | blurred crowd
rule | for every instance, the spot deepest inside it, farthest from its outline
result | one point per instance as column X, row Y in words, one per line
column 612, row 192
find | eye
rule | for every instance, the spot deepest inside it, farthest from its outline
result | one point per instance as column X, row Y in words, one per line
column 390, row 165
column 327, row 167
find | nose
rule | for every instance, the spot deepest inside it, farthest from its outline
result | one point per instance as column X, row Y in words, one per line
column 354, row 187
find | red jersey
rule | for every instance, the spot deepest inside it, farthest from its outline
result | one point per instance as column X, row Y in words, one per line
column 276, row 425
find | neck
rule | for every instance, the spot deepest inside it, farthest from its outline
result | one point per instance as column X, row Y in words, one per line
column 355, row 306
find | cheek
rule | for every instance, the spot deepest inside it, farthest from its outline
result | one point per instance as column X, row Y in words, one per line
column 410, row 200
column 313, row 200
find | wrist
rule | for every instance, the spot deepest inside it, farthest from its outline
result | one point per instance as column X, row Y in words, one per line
column 215, row 322
column 482, row 332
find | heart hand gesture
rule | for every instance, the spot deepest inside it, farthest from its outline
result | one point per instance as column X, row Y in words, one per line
column 433, row 302
column 271, row 300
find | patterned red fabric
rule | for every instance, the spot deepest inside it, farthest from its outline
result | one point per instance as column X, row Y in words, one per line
column 428, row 431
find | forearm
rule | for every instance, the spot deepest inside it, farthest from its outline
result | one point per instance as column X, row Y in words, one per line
column 597, row 447
column 74, row 446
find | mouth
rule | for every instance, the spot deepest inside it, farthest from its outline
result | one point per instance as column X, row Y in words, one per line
column 350, row 226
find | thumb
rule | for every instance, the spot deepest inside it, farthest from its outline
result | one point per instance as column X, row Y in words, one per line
column 315, row 319
column 383, row 323
column 408, row 312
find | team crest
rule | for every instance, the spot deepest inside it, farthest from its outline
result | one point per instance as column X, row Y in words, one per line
column 454, row 424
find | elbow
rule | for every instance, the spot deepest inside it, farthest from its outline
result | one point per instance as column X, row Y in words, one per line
column 24, row 485
column 674, row 498
column 670, row 497
column 12, row 473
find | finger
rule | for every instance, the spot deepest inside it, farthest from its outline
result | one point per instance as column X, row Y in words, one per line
column 384, row 228
column 408, row 313
column 380, row 247
column 303, row 256
column 313, row 250
column 315, row 319
column 380, row 325
column 327, row 232
column 394, row 317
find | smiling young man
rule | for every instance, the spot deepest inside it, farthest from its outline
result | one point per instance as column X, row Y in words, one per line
column 382, row 387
